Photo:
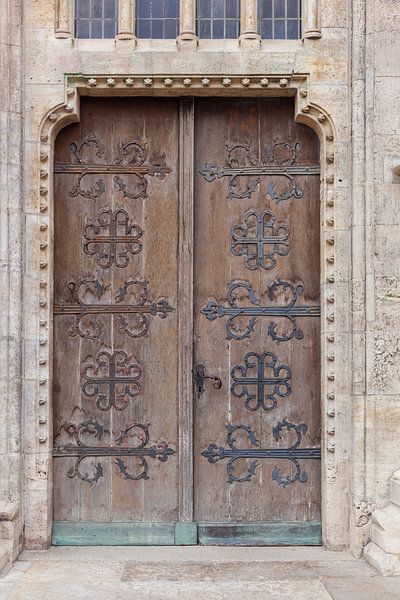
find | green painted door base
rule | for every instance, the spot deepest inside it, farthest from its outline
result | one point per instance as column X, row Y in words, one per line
column 280, row 533
column 67, row 533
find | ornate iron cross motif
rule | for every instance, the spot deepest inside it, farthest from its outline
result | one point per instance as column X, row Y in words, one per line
column 111, row 379
column 132, row 315
column 112, row 237
column 140, row 450
column 129, row 160
column 261, row 381
column 292, row 453
column 240, row 162
column 260, row 240
column 289, row 311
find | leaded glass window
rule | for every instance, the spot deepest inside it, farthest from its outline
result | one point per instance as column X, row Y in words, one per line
column 157, row 19
column 218, row 19
column 279, row 19
column 96, row 18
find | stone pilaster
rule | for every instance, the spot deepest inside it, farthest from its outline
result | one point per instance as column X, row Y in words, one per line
column 10, row 279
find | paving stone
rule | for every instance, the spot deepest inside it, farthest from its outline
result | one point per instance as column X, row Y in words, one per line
column 216, row 572
column 209, row 573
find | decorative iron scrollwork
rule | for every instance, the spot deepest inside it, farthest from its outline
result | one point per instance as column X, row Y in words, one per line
column 129, row 160
column 240, row 162
column 160, row 451
column 279, row 288
column 283, row 153
column 132, row 153
column 135, row 154
column 293, row 453
column 112, row 237
column 132, row 317
column 86, row 142
column 260, row 240
column 138, row 190
column 261, row 381
column 94, row 192
column 111, row 379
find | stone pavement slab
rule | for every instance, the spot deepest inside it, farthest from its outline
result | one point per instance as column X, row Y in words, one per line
column 209, row 573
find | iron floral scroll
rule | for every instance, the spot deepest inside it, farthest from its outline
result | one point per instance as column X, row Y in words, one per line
column 112, row 237
column 132, row 308
column 130, row 160
column 261, row 381
column 244, row 170
column 140, row 450
column 111, row 379
column 290, row 311
column 260, row 240
column 292, row 453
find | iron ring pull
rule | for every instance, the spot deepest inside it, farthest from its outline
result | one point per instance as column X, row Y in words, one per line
column 199, row 376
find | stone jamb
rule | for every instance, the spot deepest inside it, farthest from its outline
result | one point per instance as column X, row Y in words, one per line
column 334, row 480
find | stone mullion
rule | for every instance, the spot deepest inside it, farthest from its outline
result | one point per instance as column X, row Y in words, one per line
column 311, row 25
column 126, row 20
column 64, row 19
column 248, row 23
column 187, row 23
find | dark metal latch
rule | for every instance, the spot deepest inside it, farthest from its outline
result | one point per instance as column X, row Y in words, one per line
column 199, row 375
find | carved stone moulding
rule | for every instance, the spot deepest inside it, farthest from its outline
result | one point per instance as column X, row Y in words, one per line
column 257, row 85
column 187, row 85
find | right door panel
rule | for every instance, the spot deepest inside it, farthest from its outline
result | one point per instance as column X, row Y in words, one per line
column 257, row 324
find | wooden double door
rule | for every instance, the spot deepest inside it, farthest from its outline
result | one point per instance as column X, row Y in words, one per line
column 186, row 324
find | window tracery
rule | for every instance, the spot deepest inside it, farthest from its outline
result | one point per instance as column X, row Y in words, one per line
column 96, row 19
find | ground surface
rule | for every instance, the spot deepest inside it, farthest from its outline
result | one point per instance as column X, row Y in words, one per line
column 194, row 572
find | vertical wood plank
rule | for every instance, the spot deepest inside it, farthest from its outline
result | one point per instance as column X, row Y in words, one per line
column 185, row 310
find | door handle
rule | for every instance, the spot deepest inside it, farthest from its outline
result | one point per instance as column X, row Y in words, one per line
column 199, row 376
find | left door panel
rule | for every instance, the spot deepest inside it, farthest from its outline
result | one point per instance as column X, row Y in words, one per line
column 115, row 323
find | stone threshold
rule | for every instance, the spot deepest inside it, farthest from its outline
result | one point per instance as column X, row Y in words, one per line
column 186, row 553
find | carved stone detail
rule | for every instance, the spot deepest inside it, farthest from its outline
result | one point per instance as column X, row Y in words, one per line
column 363, row 511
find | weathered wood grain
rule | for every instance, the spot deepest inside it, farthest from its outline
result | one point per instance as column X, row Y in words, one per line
column 154, row 125
column 258, row 124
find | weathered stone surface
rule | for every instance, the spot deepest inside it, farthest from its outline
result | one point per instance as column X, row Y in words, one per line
column 174, row 573
column 383, row 552
column 11, row 270
column 387, row 564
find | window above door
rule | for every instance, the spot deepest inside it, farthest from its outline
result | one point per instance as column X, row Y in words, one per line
column 157, row 19
column 96, row 19
column 198, row 19
column 279, row 19
column 218, row 19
